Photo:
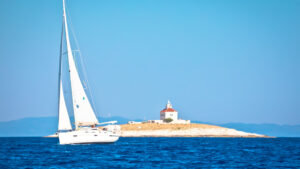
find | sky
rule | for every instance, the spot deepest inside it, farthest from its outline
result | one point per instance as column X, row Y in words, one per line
column 216, row 61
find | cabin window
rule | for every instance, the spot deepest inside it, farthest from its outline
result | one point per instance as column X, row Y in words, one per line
column 74, row 135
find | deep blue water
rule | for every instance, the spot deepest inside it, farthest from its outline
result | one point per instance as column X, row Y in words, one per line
column 38, row 152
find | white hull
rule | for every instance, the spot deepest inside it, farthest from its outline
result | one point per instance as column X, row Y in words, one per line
column 87, row 136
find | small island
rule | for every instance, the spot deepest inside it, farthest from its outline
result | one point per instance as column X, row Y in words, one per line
column 181, row 130
column 170, row 126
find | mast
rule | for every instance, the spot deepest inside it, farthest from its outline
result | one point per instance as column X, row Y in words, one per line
column 83, row 112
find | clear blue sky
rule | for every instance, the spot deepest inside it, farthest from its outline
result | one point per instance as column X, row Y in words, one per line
column 217, row 61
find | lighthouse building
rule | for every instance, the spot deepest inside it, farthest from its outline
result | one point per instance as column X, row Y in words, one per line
column 169, row 113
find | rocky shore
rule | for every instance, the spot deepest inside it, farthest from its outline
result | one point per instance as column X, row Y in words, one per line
column 181, row 130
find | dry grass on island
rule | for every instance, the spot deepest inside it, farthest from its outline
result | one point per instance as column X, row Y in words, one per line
column 181, row 130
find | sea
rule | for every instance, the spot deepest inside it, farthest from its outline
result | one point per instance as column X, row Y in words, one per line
column 152, row 152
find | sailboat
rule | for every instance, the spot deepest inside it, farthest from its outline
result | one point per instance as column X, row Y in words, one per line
column 86, row 130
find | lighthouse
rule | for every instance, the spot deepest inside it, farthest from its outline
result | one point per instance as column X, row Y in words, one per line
column 169, row 112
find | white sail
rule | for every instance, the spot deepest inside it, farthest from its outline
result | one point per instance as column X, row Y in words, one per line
column 63, row 116
column 83, row 112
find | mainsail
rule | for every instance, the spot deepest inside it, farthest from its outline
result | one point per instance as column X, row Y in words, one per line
column 63, row 116
column 83, row 112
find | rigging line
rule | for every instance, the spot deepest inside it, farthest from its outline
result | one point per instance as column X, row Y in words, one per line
column 82, row 61
column 60, row 67
column 84, row 69
column 72, row 51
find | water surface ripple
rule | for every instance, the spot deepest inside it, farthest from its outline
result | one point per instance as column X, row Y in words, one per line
column 35, row 152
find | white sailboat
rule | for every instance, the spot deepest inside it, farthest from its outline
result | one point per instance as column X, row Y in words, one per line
column 85, row 119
